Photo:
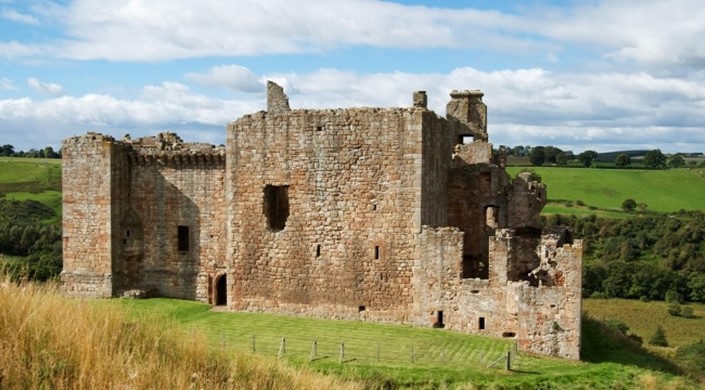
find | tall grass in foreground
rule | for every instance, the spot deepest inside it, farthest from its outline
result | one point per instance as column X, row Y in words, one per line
column 49, row 341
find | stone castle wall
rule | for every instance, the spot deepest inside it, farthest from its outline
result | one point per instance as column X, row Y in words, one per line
column 352, row 177
column 368, row 213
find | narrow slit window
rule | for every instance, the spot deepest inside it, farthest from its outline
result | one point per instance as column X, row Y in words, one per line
column 183, row 238
column 376, row 252
column 481, row 323
column 318, row 250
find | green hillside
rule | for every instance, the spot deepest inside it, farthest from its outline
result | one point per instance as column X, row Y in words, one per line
column 31, row 179
column 605, row 189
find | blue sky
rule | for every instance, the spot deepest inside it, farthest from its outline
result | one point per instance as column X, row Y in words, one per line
column 602, row 75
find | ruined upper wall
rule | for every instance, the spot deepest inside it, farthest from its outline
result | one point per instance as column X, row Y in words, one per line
column 468, row 114
column 169, row 149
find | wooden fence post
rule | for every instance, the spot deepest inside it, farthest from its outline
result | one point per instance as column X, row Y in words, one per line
column 508, row 364
column 282, row 347
column 254, row 349
column 342, row 352
column 314, row 350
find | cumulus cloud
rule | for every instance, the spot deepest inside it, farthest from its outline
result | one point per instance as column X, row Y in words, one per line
column 47, row 88
column 236, row 77
column 640, row 31
column 604, row 112
column 168, row 106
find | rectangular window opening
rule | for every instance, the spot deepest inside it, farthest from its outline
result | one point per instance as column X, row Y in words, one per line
column 318, row 250
column 481, row 323
column 376, row 252
column 439, row 320
column 183, row 238
column 276, row 206
column 466, row 139
column 361, row 308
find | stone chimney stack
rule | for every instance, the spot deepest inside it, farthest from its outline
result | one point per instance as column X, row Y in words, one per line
column 420, row 99
column 467, row 111
column 277, row 101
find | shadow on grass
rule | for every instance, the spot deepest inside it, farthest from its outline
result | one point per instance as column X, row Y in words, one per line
column 602, row 343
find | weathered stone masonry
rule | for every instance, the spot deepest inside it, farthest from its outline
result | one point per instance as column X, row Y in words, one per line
column 379, row 214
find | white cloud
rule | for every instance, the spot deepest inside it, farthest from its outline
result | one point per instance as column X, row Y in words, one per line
column 235, row 77
column 605, row 111
column 47, row 88
column 15, row 16
column 6, row 84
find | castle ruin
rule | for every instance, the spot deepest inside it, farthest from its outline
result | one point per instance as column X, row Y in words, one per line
column 375, row 214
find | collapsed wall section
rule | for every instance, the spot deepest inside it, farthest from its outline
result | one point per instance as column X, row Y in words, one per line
column 336, row 182
column 543, row 318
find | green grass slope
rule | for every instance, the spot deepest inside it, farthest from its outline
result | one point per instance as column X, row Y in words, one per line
column 31, row 179
column 441, row 358
column 606, row 189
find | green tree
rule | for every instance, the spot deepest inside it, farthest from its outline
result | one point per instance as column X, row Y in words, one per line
column 659, row 337
column 537, row 156
column 655, row 159
column 629, row 205
column 587, row 157
column 676, row 161
column 622, row 160
column 7, row 150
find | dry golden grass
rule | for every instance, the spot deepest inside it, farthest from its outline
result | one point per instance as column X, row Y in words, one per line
column 49, row 341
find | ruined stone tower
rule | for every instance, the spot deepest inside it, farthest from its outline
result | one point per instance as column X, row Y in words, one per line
column 376, row 214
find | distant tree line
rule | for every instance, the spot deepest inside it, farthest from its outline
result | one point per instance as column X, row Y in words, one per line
column 48, row 152
column 29, row 229
column 550, row 155
column 651, row 257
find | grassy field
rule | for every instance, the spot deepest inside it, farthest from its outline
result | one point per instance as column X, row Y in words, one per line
column 48, row 341
column 605, row 189
column 679, row 331
column 32, row 178
column 442, row 358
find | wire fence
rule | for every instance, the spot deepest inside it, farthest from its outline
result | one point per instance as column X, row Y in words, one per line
column 495, row 354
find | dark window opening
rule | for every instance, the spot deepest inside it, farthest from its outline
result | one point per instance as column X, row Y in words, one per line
column 183, row 242
column 374, row 207
column 124, row 241
column 466, row 139
column 276, row 206
column 376, row 252
column 319, row 128
column 439, row 320
column 318, row 250
column 361, row 308
column 481, row 323
column 221, row 290
column 475, row 267
column 509, row 334
column 127, row 233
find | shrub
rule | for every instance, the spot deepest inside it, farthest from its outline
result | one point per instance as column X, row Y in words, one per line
column 617, row 325
column 687, row 312
column 659, row 337
column 675, row 309
column 629, row 205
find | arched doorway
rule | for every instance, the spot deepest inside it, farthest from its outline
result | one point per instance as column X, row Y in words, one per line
column 221, row 290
